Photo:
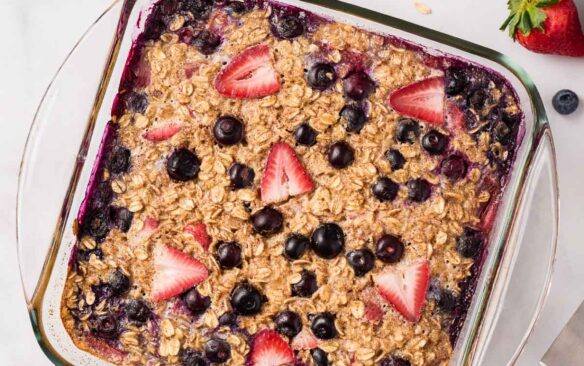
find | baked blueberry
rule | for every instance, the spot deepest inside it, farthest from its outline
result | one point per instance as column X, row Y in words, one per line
column 190, row 357
column 235, row 8
column 121, row 218
column 419, row 190
column 340, row 155
column 453, row 167
column 136, row 102
column 353, row 117
column 288, row 323
column 477, row 99
column 455, row 80
column 565, row 101
column 305, row 135
column 295, row 246
column 389, row 249
column 469, row 244
column 501, row 132
column 246, row 299
column 288, row 27
column 183, row 165
column 228, row 255
column 102, row 196
column 105, row 326
column 323, row 326
column 394, row 361
column 206, row 42
column 217, row 350
column 241, row 176
column 384, row 189
column 361, row 260
column 199, row 8
column 137, row 311
column 321, row 76
column 267, row 221
column 228, row 131
column 319, row 357
column 358, row 85
column 228, row 319
column 306, row 286
column 407, row 131
column 196, row 302
column 395, row 158
column 434, row 142
column 119, row 161
column 445, row 299
column 119, row 282
column 328, row 240
column 95, row 224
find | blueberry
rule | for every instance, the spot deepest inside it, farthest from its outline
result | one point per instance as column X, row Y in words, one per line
column 434, row 142
column 456, row 81
column 84, row 255
column 102, row 196
column 121, row 218
column 206, row 42
column 407, row 131
column 305, row 135
column 394, row 361
column 267, row 221
column 288, row 323
column 389, row 249
column 190, row 357
column 228, row 319
column 477, row 99
column 136, row 102
column 228, row 255
column 288, row 27
column 228, row 131
column 183, row 165
column 295, row 246
column 241, row 176
column 565, row 101
column 119, row 161
column 419, row 190
column 395, row 158
column 445, row 299
column 199, row 8
column 323, row 326
column 196, row 302
column 102, row 291
column 95, row 223
column 235, row 8
column 470, row 242
column 137, row 311
column 328, row 240
column 321, row 76
column 358, row 85
column 340, row 155
column 320, row 357
column 119, row 282
column 306, row 286
column 246, row 299
column 385, row 189
column 217, row 350
column 453, row 167
column 353, row 117
column 105, row 326
column 361, row 260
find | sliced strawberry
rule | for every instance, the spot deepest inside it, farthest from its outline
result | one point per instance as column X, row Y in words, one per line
column 249, row 75
column 304, row 340
column 163, row 132
column 454, row 117
column 405, row 288
column 269, row 349
column 199, row 232
column 284, row 175
column 174, row 272
column 111, row 354
column 423, row 100
column 373, row 305
column 149, row 227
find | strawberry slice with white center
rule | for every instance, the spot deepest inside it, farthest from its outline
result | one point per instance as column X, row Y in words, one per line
column 423, row 99
column 174, row 272
column 405, row 288
column 269, row 349
column 150, row 226
column 199, row 232
column 284, row 175
column 161, row 133
column 304, row 340
column 250, row 74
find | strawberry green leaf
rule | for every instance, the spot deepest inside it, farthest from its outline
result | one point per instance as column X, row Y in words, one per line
column 546, row 3
column 526, row 15
column 537, row 17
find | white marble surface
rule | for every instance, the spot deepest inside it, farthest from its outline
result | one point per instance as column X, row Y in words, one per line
column 37, row 34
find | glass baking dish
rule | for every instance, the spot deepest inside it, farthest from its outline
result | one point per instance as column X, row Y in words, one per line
column 62, row 148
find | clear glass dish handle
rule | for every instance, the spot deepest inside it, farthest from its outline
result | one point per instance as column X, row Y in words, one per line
column 518, row 298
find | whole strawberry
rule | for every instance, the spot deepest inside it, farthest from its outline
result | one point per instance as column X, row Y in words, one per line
column 546, row 26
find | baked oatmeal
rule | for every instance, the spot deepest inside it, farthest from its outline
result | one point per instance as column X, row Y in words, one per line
column 276, row 188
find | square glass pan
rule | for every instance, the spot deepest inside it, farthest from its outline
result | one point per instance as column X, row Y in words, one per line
column 65, row 137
